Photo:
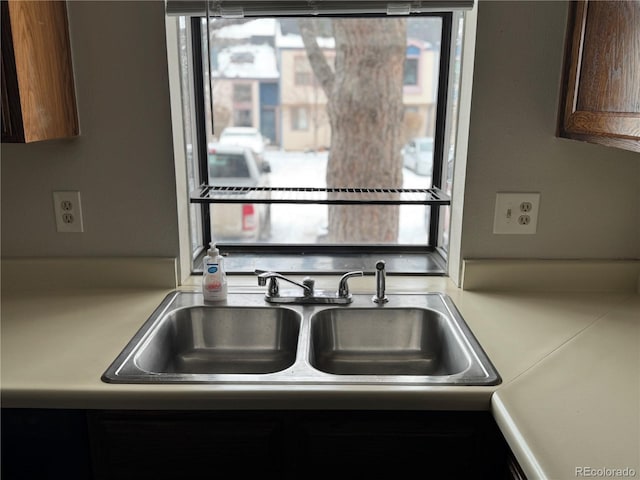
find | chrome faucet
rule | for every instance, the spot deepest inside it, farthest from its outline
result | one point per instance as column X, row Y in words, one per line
column 381, row 283
column 309, row 293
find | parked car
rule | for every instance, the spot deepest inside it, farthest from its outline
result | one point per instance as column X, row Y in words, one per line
column 236, row 166
column 247, row 137
column 417, row 155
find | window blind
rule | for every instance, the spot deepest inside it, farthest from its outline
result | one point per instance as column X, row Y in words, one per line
column 286, row 8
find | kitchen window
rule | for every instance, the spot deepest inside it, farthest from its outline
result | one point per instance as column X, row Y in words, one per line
column 338, row 138
column 299, row 118
column 242, row 93
column 302, row 71
column 242, row 117
column 411, row 71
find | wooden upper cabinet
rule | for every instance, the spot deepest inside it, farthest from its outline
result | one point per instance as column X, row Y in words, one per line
column 38, row 94
column 600, row 101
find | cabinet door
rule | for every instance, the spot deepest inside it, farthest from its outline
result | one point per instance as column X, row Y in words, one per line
column 38, row 93
column 43, row 444
column 514, row 470
column 12, row 128
column 601, row 81
column 176, row 445
column 426, row 445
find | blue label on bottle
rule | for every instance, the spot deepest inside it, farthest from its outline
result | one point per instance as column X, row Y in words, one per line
column 212, row 268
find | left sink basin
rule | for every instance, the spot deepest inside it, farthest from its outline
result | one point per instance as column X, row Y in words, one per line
column 189, row 342
column 221, row 340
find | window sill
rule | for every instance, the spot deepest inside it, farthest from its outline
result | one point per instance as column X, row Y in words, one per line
column 242, row 263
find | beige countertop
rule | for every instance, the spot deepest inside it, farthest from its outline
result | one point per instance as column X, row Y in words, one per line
column 578, row 410
column 569, row 362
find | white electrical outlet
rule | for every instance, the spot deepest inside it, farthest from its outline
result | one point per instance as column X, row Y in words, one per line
column 516, row 213
column 68, row 211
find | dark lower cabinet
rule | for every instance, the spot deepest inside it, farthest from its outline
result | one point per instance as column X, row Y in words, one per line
column 514, row 470
column 432, row 445
column 177, row 445
column 45, row 444
column 158, row 445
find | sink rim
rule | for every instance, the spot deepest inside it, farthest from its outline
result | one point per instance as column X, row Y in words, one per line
column 481, row 372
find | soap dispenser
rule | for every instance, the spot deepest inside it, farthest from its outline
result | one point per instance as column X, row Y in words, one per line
column 214, row 278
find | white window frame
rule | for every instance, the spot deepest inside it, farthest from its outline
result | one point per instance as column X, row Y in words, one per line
column 454, row 256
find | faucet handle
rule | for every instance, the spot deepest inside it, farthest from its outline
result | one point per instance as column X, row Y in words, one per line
column 343, row 286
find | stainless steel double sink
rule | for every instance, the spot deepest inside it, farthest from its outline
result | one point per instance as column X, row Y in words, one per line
column 414, row 339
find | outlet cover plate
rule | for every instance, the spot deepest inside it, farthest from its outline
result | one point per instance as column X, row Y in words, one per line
column 68, row 212
column 516, row 213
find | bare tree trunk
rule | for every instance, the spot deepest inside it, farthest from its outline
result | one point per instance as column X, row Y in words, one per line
column 365, row 108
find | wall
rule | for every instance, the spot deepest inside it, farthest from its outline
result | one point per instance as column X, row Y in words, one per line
column 590, row 194
column 122, row 163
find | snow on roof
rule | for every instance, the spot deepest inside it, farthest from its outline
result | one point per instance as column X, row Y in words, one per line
column 247, row 61
column 421, row 44
column 295, row 41
column 268, row 27
column 258, row 27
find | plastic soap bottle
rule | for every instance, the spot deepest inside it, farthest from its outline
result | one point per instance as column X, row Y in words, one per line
column 214, row 279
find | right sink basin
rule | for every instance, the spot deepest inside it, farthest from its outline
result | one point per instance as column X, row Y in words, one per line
column 389, row 341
